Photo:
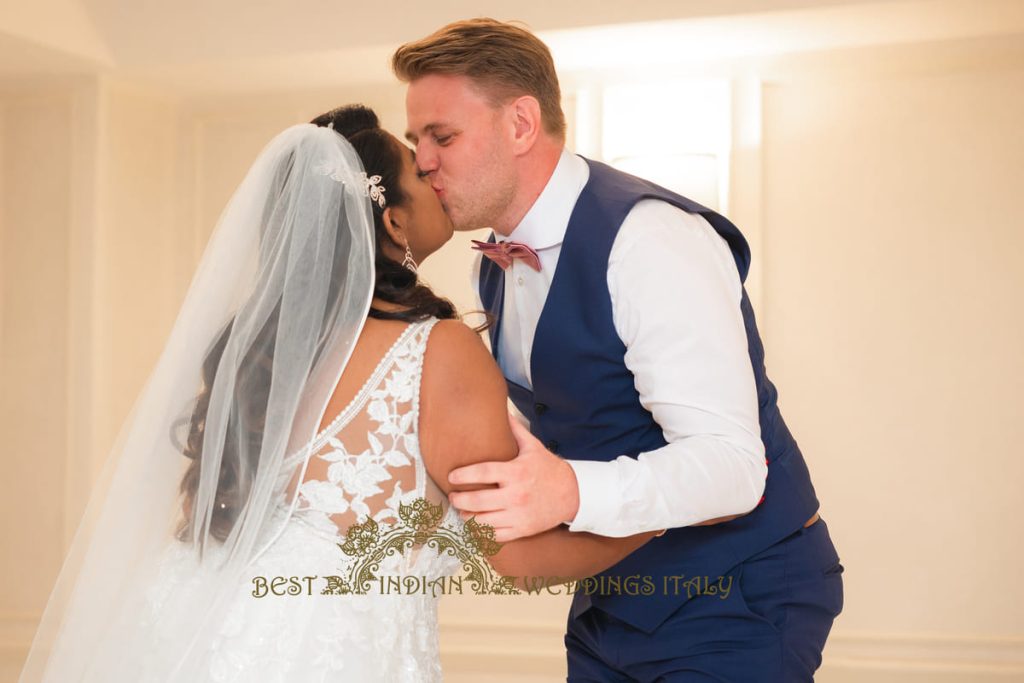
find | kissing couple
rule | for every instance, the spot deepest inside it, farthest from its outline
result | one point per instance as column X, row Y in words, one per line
column 313, row 391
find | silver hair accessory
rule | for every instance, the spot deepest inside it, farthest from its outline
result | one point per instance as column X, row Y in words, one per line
column 370, row 184
column 375, row 190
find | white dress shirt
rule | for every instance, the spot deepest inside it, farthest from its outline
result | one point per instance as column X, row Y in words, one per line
column 675, row 294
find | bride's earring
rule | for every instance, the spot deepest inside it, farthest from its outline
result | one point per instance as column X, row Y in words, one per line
column 409, row 261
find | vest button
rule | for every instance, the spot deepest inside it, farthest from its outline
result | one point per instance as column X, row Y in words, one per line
column 552, row 446
column 540, row 408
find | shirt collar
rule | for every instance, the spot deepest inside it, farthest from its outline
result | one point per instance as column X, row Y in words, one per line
column 545, row 223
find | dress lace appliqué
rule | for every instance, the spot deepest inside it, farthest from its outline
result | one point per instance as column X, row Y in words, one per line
column 363, row 465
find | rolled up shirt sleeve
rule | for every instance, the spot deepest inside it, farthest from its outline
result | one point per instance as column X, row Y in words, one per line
column 675, row 294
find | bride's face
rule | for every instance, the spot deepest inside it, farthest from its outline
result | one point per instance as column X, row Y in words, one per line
column 426, row 224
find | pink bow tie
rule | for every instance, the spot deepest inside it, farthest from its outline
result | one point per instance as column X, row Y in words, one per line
column 503, row 253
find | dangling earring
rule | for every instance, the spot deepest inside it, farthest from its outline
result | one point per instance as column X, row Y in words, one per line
column 409, row 261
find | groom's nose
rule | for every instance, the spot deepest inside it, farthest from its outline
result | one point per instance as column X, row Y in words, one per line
column 426, row 157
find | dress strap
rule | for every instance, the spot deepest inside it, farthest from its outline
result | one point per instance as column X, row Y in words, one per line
column 359, row 399
column 422, row 334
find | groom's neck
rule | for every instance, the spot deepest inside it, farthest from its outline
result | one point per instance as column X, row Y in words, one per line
column 535, row 171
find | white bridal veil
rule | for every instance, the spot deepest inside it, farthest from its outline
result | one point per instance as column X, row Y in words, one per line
column 266, row 329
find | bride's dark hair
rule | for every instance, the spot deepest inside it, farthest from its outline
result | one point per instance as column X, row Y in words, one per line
column 395, row 284
column 381, row 155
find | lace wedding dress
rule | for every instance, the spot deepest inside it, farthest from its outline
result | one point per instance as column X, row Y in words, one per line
column 364, row 465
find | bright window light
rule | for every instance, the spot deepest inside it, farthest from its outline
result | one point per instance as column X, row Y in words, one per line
column 674, row 133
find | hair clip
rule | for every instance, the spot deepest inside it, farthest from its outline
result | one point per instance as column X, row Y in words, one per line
column 369, row 184
column 375, row 190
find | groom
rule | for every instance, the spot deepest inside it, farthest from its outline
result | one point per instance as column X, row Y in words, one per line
column 628, row 342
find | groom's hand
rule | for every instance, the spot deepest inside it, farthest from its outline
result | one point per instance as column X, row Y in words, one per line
column 537, row 490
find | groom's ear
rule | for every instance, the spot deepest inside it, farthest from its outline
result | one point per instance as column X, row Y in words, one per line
column 526, row 117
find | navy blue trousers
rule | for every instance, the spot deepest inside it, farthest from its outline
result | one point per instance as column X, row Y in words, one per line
column 770, row 628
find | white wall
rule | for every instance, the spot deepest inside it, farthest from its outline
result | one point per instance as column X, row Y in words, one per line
column 892, row 238
column 34, row 231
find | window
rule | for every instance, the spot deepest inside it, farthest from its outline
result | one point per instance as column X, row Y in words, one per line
column 674, row 133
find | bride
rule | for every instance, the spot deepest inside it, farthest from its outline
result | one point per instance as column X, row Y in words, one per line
column 311, row 384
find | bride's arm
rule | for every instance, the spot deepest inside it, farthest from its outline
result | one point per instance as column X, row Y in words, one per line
column 464, row 420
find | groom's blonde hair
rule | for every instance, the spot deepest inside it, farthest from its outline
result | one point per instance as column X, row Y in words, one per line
column 503, row 60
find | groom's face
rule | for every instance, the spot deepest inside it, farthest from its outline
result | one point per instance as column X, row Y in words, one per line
column 463, row 142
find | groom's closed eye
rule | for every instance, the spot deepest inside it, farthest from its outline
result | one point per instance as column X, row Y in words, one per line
column 439, row 134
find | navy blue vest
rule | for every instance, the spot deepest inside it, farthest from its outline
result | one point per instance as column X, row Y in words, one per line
column 584, row 404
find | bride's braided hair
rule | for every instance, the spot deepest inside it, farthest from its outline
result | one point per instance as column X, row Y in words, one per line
column 394, row 284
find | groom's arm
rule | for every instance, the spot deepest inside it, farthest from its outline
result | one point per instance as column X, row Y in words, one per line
column 676, row 294
column 676, row 306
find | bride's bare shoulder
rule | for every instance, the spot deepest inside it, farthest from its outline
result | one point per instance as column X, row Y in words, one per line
column 463, row 402
column 456, row 355
column 448, row 333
